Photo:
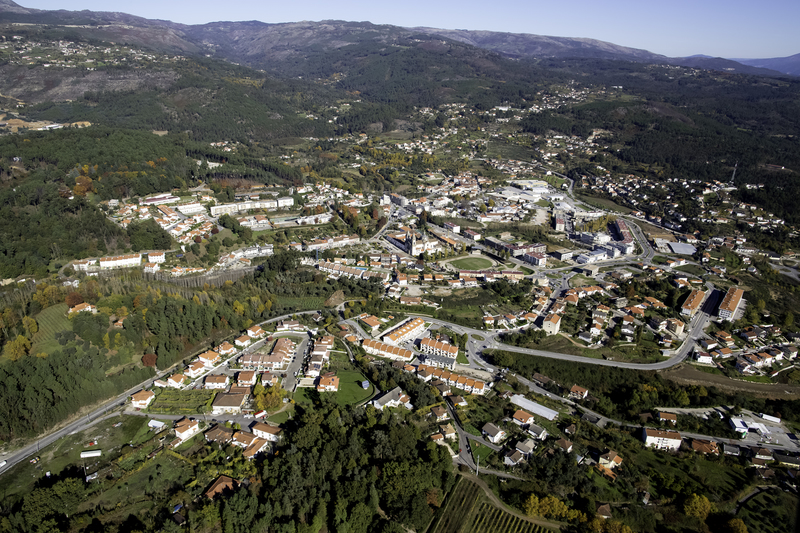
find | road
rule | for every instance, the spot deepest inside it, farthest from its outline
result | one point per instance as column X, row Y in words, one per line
column 84, row 422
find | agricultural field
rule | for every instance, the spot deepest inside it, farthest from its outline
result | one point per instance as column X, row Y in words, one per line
column 471, row 263
column 182, row 402
column 51, row 321
column 468, row 510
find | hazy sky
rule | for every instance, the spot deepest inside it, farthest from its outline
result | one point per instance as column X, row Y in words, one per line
column 726, row 28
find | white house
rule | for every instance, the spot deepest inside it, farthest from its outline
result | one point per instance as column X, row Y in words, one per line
column 265, row 431
column 493, row 433
column 661, row 439
column 186, row 429
column 142, row 399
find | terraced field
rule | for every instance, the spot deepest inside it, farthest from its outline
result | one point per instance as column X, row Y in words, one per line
column 468, row 510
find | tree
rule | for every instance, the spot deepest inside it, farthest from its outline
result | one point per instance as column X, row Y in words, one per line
column 735, row 525
column 73, row 299
column 30, row 326
column 697, row 506
column 17, row 348
column 788, row 320
column 270, row 399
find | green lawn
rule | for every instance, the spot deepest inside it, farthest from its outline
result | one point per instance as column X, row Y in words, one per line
column 51, row 321
column 282, row 417
column 471, row 263
column 482, row 452
column 350, row 391
column 462, row 358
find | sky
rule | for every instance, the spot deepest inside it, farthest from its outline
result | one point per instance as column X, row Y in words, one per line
column 678, row 28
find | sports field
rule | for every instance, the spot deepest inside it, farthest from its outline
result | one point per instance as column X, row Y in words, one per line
column 471, row 263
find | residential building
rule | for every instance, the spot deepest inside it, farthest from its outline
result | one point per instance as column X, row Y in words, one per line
column 142, row 399
column 730, row 304
column 83, row 308
column 328, row 384
column 266, row 432
column 394, row 398
column 493, row 433
column 176, row 381
column 522, row 419
column 692, row 303
column 411, row 329
column 217, row 382
column 387, row 350
column 578, row 393
column 661, row 439
column 227, row 403
column 610, row 460
column 552, row 324
column 186, row 429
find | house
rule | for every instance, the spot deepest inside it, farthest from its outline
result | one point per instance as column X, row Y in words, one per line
column 266, row 432
column 513, row 458
column 522, row 419
column 243, row 341
column 83, row 308
column 537, row 432
column 668, row 417
column 610, row 460
column 209, row 358
column 142, row 399
column 578, row 393
column 255, row 332
column 222, row 485
column 186, row 428
column 448, row 431
column 439, row 413
column 526, row 447
column 564, row 444
column 225, row 348
column 552, row 324
column 328, row 384
column 216, row 382
column 195, row 369
column 176, row 381
column 705, row 446
column 493, row 433
column 661, row 439
column 457, row 401
column 604, row 511
column 246, row 378
column 227, row 403
column 219, row 434
column 394, row 398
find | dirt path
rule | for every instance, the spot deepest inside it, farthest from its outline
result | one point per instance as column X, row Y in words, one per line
column 687, row 375
column 496, row 502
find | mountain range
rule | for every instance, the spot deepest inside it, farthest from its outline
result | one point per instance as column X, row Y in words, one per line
column 278, row 47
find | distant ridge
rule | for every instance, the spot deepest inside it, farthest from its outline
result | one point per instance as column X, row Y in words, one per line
column 271, row 46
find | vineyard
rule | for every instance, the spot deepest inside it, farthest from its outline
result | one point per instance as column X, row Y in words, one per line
column 182, row 402
column 469, row 511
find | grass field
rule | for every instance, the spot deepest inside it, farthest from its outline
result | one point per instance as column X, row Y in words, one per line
column 350, row 391
column 468, row 510
column 65, row 453
column 51, row 321
column 471, row 263
column 603, row 203
column 692, row 269
column 462, row 358
column 182, row 402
